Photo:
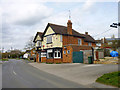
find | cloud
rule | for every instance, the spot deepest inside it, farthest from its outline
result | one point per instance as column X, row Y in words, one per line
column 88, row 4
column 25, row 14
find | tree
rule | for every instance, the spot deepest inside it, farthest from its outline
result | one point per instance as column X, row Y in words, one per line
column 30, row 44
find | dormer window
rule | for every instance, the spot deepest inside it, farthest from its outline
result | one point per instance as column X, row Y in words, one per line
column 49, row 39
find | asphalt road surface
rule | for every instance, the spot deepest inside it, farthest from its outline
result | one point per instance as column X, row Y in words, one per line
column 18, row 74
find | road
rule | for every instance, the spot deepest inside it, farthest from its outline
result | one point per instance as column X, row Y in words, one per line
column 18, row 74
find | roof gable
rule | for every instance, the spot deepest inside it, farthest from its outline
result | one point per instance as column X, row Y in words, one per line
column 49, row 31
column 38, row 36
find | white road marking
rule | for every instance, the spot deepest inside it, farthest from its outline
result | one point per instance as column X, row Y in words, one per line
column 14, row 72
column 93, row 65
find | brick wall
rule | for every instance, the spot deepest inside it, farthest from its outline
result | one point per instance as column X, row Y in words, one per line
column 43, row 59
column 67, row 58
column 54, row 60
column 74, row 40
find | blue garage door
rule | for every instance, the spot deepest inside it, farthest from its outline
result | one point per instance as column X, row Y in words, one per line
column 78, row 57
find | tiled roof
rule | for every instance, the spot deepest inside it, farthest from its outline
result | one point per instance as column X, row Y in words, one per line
column 59, row 29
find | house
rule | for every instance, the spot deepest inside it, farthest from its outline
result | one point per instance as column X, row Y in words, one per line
column 30, row 54
column 57, row 43
column 107, row 44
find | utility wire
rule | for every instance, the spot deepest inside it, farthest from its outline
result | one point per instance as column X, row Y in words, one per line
column 102, row 32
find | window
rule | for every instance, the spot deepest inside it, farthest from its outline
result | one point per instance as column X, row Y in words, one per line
column 98, row 44
column 79, row 42
column 64, row 52
column 61, row 38
column 57, row 53
column 89, row 44
column 68, row 51
column 49, row 39
column 43, row 54
column 38, row 43
column 109, row 43
column 50, row 53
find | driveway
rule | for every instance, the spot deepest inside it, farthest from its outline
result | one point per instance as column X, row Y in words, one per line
column 19, row 74
column 84, row 74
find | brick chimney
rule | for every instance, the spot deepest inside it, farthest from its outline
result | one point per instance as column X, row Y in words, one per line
column 86, row 33
column 69, row 27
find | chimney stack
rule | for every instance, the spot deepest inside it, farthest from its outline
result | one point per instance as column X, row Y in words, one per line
column 86, row 33
column 69, row 27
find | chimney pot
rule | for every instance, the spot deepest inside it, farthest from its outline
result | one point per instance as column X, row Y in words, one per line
column 86, row 33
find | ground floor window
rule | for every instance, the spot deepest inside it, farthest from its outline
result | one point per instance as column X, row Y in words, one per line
column 57, row 53
column 43, row 54
column 50, row 53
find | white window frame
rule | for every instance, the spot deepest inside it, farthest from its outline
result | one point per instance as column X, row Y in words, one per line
column 49, row 51
column 98, row 44
column 89, row 44
column 49, row 39
column 79, row 42
column 38, row 43
column 68, row 51
column 64, row 52
column 58, row 51
column 43, row 54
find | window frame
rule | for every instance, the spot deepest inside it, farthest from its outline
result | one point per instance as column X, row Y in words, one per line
column 61, row 38
column 80, row 43
column 49, row 39
column 50, row 52
column 89, row 44
column 58, row 51
column 38, row 43
column 68, row 51
column 64, row 52
column 43, row 53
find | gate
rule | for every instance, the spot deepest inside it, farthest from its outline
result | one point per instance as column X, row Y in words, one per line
column 78, row 57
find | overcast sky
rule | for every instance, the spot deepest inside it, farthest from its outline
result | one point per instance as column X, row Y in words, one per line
column 22, row 19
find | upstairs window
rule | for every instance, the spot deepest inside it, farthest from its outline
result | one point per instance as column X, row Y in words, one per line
column 38, row 43
column 89, row 44
column 49, row 39
column 79, row 42
column 61, row 38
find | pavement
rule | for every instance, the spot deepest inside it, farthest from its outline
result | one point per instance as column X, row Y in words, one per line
column 84, row 74
column 19, row 74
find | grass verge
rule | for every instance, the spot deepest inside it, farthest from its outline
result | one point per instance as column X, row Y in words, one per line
column 112, row 79
column 3, row 59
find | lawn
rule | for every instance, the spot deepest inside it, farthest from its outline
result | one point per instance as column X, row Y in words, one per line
column 112, row 79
